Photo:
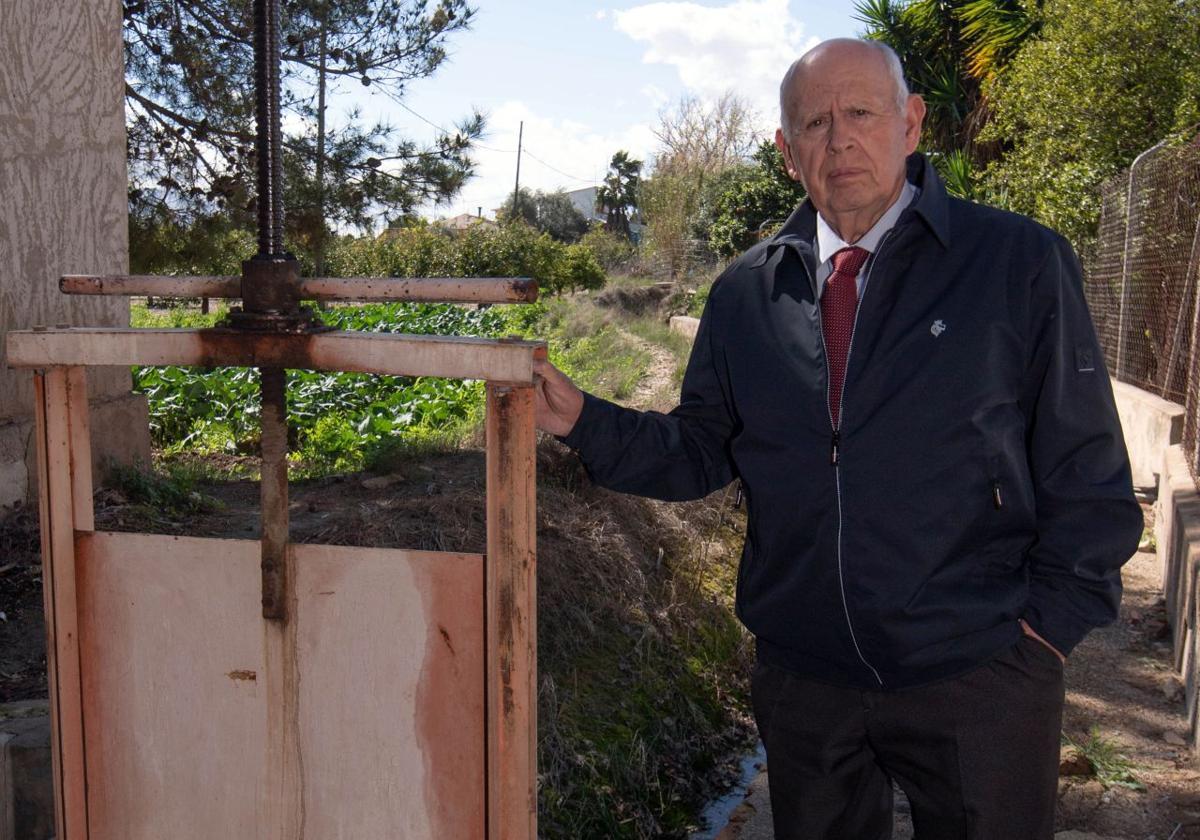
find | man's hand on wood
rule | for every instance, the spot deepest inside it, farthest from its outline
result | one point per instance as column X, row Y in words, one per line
column 559, row 402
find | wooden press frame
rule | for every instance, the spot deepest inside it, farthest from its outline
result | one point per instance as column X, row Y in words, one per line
column 59, row 358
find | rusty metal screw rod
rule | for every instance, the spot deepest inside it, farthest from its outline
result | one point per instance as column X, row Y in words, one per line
column 271, row 303
column 269, row 143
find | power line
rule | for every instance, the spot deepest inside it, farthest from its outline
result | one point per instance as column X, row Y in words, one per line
column 430, row 122
column 555, row 169
column 477, row 144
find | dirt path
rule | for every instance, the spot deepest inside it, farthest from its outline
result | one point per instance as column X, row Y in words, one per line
column 656, row 390
column 1121, row 687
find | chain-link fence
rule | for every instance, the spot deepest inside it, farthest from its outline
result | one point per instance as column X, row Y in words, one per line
column 1141, row 279
column 682, row 259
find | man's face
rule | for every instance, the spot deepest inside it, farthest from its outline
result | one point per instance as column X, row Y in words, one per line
column 847, row 139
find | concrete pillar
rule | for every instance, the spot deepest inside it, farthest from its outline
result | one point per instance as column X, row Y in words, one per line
column 63, row 210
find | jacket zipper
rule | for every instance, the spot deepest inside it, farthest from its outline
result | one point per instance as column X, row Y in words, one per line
column 836, row 440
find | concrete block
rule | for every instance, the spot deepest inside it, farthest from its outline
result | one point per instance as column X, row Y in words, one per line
column 120, row 435
column 120, row 432
column 685, row 325
column 1150, row 424
column 14, row 472
column 26, row 772
column 1177, row 533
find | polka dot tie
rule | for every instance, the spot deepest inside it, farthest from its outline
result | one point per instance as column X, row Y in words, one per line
column 839, row 302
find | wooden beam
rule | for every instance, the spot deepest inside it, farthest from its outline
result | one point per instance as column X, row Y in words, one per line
column 434, row 289
column 57, row 488
column 151, row 285
column 496, row 360
column 83, row 509
column 511, row 614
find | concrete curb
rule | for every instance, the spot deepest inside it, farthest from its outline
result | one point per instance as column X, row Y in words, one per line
column 1150, row 425
column 1177, row 535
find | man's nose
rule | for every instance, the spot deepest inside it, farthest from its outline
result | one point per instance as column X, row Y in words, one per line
column 840, row 135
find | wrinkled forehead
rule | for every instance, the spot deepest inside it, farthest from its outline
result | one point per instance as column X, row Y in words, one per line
column 840, row 75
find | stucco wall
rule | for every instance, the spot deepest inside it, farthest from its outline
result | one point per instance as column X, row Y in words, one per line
column 62, row 205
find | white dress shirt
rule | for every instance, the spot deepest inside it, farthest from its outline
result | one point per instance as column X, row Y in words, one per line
column 829, row 243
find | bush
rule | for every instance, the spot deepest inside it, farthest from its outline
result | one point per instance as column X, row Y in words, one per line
column 515, row 250
column 612, row 250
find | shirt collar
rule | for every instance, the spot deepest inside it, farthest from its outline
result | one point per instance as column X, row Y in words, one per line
column 829, row 243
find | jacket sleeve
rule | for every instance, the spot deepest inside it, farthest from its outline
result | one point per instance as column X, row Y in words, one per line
column 1088, row 521
column 677, row 456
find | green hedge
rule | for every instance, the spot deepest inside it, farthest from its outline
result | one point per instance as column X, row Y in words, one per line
column 515, row 250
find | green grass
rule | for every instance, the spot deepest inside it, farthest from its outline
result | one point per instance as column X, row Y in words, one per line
column 1113, row 768
column 175, row 317
column 587, row 343
column 170, row 494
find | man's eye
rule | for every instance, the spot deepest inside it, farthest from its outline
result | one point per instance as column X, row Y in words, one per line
column 861, row 112
column 817, row 123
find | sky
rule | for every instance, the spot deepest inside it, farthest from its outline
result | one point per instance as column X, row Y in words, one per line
column 590, row 77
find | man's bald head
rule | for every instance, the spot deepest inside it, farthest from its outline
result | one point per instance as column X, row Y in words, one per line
column 871, row 51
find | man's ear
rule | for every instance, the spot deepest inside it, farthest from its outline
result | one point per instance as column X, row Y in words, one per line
column 781, row 144
column 914, row 117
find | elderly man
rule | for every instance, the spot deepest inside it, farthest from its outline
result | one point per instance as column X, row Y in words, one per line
column 909, row 388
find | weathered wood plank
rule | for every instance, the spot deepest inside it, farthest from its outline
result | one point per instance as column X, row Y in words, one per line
column 173, row 663
column 433, row 289
column 417, row 766
column 56, row 507
column 81, row 449
column 453, row 357
column 511, row 575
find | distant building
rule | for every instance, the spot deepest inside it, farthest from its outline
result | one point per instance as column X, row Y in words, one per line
column 464, row 221
column 585, row 202
column 458, row 223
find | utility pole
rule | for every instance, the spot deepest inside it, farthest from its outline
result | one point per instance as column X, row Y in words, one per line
column 517, row 188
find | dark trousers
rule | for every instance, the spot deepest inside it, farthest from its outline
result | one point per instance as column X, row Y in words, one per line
column 976, row 755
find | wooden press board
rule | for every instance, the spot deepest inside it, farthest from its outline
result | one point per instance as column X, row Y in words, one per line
column 397, row 702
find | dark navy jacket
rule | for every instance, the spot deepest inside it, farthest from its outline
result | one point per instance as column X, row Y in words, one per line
column 980, row 473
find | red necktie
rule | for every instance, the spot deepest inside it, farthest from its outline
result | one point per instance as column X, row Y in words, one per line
column 839, row 301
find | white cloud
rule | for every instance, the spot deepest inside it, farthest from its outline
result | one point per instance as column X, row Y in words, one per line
column 745, row 45
column 601, row 14
column 657, row 96
column 560, row 154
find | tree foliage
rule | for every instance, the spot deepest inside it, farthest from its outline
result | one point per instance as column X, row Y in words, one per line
column 617, row 197
column 1106, row 80
column 748, row 201
column 190, row 109
column 949, row 48
column 479, row 251
column 553, row 213
column 698, row 140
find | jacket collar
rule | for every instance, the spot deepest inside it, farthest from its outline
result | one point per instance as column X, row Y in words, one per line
column 931, row 206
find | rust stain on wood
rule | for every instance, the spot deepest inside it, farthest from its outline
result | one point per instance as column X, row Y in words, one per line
column 440, row 712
